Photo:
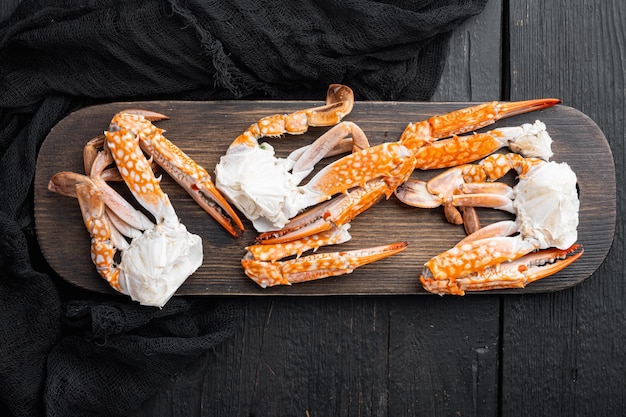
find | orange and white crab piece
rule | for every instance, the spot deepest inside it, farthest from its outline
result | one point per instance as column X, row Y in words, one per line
column 133, row 128
column 263, row 262
column 102, row 249
column 546, row 205
column 468, row 186
column 159, row 257
column 517, row 273
column 264, row 187
column 316, row 266
column 137, row 173
column 339, row 103
column 420, row 147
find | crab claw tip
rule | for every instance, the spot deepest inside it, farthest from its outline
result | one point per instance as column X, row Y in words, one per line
column 515, row 108
column 147, row 114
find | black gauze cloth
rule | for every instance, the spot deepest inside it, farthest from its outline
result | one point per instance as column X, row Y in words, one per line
column 70, row 352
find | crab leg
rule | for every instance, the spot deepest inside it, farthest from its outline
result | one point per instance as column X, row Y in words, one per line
column 65, row 183
column 95, row 161
column 105, row 237
column 489, row 247
column 496, row 195
column 463, row 187
column 136, row 171
column 427, row 132
column 316, row 266
column 102, row 249
column 276, row 251
column 339, row 103
column 529, row 140
column 395, row 161
column 191, row 176
column 476, row 251
column 458, row 208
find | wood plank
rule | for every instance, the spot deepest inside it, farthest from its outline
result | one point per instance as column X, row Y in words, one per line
column 348, row 356
column 298, row 357
column 221, row 272
column 473, row 68
column 561, row 351
column 446, row 356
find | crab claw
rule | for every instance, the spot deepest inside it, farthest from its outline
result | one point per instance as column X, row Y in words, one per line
column 185, row 171
column 514, row 274
column 515, row 108
column 316, row 266
column 481, row 115
column 148, row 114
column 211, row 200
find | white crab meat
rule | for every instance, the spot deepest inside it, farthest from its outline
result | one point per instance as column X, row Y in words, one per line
column 157, row 263
column 547, row 205
column 262, row 186
column 529, row 140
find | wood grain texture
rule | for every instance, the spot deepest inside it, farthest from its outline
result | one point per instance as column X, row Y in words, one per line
column 348, row 356
column 561, row 351
column 473, row 68
column 444, row 356
column 204, row 129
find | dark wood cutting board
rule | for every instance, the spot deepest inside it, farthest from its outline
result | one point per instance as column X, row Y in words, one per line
column 205, row 129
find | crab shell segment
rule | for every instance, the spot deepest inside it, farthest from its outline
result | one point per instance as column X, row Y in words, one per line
column 158, row 262
column 547, row 205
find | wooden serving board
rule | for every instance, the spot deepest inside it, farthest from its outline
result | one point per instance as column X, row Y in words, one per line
column 204, row 130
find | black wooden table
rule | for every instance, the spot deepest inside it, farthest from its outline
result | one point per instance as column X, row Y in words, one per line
column 556, row 353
